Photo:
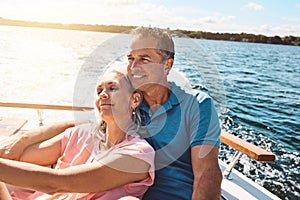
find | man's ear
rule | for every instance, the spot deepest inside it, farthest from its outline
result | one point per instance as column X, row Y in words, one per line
column 168, row 65
column 169, row 62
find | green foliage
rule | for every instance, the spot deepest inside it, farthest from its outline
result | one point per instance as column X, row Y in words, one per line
column 242, row 37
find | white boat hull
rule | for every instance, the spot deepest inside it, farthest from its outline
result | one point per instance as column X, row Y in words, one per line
column 238, row 186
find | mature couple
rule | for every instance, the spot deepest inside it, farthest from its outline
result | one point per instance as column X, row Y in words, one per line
column 110, row 160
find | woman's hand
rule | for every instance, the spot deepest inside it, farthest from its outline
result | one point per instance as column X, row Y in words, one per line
column 12, row 147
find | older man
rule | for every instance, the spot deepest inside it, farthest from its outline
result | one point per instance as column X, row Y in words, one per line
column 183, row 127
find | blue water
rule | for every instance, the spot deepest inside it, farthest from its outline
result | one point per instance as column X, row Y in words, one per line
column 256, row 88
column 262, row 86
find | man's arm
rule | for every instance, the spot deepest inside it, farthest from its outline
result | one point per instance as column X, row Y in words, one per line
column 207, row 172
column 13, row 147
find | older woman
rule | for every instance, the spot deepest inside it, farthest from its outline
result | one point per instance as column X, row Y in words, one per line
column 107, row 161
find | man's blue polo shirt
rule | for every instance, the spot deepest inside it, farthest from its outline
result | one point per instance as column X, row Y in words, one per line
column 184, row 121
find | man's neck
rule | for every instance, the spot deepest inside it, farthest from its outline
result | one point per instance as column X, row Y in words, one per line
column 157, row 96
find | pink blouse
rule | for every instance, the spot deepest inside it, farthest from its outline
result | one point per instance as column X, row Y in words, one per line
column 79, row 147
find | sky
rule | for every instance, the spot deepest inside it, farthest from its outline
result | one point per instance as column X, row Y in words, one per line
column 267, row 17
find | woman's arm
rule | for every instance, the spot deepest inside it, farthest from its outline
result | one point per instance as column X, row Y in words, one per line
column 44, row 153
column 13, row 147
column 112, row 172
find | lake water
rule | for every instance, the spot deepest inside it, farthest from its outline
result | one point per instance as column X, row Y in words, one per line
column 256, row 87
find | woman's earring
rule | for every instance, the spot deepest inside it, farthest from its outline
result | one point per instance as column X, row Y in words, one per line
column 133, row 111
column 134, row 116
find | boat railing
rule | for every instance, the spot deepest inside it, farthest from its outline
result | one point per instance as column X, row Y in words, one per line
column 244, row 147
column 41, row 107
column 44, row 106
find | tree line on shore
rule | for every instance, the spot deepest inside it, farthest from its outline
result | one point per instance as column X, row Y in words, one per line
column 242, row 37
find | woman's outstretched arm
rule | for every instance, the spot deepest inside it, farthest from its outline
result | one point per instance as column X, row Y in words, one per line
column 112, row 172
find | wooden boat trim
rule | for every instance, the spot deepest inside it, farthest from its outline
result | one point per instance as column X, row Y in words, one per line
column 44, row 106
column 247, row 148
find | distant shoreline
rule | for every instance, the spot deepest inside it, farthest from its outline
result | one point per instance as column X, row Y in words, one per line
column 242, row 37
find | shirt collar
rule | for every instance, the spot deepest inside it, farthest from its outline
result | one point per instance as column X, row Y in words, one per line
column 176, row 97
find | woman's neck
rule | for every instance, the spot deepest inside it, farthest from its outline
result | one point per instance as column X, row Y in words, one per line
column 114, row 133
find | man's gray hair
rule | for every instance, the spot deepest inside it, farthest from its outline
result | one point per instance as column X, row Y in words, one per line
column 163, row 37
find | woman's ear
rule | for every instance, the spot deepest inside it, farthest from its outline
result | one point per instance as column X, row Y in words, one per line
column 136, row 99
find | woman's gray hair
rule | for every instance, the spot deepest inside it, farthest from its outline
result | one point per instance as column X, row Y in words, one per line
column 99, row 130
